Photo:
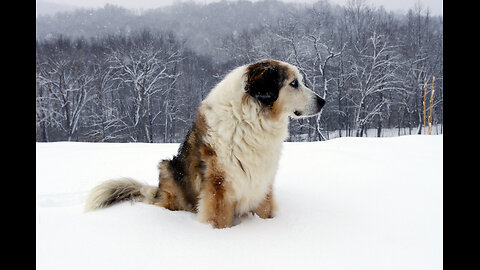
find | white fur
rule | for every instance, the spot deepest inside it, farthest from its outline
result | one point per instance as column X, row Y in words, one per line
column 239, row 135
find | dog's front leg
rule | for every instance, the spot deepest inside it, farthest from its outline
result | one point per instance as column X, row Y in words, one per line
column 266, row 207
column 214, row 207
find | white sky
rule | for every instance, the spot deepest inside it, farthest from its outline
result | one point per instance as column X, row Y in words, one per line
column 435, row 6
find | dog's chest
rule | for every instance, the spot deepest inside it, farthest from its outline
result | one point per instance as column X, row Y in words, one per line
column 251, row 188
column 248, row 149
column 250, row 164
column 252, row 181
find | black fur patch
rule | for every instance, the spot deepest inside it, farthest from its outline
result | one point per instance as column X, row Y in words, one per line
column 179, row 171
column 264, row 80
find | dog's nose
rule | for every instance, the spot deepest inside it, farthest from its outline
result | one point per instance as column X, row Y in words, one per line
column 320, row 102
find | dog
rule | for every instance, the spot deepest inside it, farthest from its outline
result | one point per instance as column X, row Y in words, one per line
column 226, row 166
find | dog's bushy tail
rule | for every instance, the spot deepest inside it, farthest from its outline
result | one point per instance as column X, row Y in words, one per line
column 124, row 189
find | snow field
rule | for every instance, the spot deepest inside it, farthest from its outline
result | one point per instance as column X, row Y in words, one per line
column 346, row 203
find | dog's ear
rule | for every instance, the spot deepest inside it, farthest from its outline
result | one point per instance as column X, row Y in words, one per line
column 264, row 81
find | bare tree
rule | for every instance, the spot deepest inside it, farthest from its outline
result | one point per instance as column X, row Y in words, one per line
column 373, row 73
column 145, row 69
column 67, row 90
column 104, row 122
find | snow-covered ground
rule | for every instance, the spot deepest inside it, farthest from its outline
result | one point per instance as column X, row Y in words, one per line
column 346, row 203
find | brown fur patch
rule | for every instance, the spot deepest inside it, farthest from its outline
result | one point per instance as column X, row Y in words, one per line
column 170, row 195
column 245, row 98
column 276, row 110
column 200, row 127
column 277, row 107
column 219, row 210
column 266, row 208
column 193, row 171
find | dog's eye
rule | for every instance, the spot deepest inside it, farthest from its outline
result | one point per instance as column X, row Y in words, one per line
column 294, row 83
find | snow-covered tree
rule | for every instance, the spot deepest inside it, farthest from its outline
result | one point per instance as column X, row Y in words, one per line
column 145, row 67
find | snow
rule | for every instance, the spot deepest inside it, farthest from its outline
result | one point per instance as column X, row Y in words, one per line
column 346, row 203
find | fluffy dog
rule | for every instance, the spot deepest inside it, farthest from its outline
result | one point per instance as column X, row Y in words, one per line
column 227, row 164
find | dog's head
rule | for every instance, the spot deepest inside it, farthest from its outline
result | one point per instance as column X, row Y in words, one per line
column 278, row 87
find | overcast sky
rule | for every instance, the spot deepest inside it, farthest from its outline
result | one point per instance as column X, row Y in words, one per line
column 435, row 6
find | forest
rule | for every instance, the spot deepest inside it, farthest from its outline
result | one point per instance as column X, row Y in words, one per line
column 116, row 75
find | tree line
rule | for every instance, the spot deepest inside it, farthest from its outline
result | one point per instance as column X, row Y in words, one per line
column 144, row 84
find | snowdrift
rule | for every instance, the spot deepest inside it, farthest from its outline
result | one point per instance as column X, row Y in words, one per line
column 346, row 203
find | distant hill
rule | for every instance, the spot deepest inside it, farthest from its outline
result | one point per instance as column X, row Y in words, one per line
column 201, row 26
column 48, row 8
